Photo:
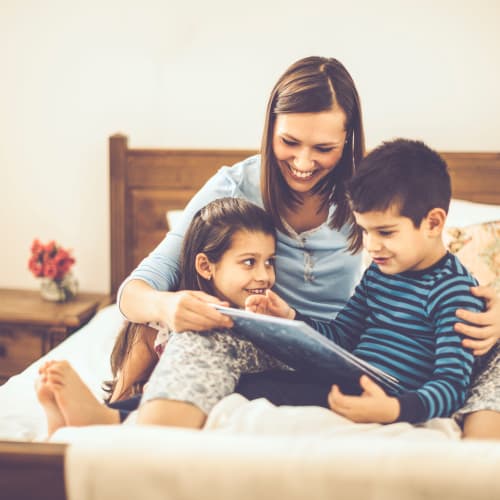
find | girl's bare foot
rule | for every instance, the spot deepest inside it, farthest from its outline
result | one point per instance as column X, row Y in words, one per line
column 74, row 399
column 55, row 418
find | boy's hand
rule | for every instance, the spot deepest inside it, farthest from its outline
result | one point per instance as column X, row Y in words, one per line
column 271, row 304
column 373, row 406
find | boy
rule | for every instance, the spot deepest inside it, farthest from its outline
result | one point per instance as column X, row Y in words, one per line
column 401, row 315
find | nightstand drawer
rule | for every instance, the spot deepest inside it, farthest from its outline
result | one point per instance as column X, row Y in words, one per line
column 19, row 346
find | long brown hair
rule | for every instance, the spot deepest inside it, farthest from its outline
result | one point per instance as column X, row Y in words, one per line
column 312, row 85
column 129, row 336
column 211, row 231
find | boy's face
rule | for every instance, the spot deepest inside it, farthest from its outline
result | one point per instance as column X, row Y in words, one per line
column 395, row 244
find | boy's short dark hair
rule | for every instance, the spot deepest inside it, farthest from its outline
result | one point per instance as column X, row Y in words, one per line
column 403, row 172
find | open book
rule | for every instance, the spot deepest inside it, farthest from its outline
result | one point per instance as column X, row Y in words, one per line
column 303, row 348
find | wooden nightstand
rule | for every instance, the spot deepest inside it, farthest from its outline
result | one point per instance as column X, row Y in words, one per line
column 31, row 326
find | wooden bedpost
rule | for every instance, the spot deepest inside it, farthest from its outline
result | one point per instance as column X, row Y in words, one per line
column 32, row 470
column 118, row 145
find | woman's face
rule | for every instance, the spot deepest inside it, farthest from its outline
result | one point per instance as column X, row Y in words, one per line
column 307, row 146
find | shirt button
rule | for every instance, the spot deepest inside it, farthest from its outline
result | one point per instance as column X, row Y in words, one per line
column 309, row 277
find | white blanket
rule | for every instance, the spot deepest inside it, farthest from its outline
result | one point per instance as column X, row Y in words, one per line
column 254, row 450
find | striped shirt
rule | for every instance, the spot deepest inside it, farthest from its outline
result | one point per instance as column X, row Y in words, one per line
column 403, row 324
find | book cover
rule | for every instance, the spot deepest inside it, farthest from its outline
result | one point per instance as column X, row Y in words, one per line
column 303, row 348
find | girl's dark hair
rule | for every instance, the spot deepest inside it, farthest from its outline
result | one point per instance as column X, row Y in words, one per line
column 312, row 85
column 129, row 335
column 211, row 232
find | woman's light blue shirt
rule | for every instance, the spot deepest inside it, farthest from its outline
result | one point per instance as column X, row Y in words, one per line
column 315, row 273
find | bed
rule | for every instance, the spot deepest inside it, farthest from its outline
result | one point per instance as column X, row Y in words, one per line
column 247, row 449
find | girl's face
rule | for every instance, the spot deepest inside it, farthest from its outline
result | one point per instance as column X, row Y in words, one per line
column 307, row 146
column 246, row 268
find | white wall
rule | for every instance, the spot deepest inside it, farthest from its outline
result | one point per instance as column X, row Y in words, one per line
column 197, row 74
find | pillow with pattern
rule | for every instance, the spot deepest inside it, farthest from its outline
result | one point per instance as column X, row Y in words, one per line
column 478, row 248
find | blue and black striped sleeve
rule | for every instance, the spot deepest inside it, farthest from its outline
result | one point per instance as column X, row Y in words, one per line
column 346, row 328
column 445, row 392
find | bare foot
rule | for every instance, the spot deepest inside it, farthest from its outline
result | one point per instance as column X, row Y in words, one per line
column 75, row 400
column 55, row 418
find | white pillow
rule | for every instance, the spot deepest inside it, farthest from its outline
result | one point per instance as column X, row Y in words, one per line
column 465, row 213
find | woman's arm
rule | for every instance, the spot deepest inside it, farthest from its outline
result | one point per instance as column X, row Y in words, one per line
column 484, row 331
column 180, row 311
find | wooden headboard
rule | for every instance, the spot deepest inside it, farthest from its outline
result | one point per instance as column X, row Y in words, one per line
column 146, row 183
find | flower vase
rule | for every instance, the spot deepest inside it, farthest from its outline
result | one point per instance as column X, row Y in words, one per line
column 59, row 290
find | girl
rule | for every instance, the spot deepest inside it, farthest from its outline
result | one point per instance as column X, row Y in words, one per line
column 228, row 254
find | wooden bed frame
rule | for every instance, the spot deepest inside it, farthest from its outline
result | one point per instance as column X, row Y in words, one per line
column 144, row 185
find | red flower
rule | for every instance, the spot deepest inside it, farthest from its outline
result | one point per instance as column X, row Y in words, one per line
column 50, row 260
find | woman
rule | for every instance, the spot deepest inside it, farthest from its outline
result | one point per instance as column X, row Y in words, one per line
column 313, row 139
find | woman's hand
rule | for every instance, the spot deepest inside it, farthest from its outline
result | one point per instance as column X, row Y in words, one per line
column 180, row 311
column 271, row 304
column 190, row 310
column 485, row 328
column 373, row 406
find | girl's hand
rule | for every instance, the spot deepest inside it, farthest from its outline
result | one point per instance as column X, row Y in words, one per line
column 271, row 304
column 190, row 310
column 373, row 406
column 485, row 328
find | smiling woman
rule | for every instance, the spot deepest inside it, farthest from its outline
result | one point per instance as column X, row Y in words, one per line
column 313, row 137
column 308, row 146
